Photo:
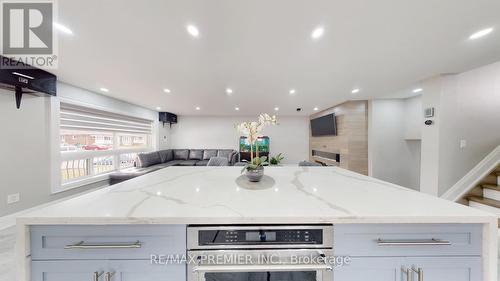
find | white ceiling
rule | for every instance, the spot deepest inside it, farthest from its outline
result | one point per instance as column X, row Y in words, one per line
column 261, row 49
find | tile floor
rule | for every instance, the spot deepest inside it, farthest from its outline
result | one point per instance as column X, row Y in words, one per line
column 7, row 242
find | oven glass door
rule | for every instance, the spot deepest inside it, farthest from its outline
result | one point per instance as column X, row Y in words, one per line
column 260, row 265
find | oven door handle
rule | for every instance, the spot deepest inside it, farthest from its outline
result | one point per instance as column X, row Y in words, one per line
column 260, row 268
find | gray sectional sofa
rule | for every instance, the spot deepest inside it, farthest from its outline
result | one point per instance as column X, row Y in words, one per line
column 152, row 161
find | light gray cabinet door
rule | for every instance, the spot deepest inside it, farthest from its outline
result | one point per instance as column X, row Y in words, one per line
column 143, row 270
column 67, row 270
column 370, row 268
column 112, row 270
column 447, row 268
column 394, row 269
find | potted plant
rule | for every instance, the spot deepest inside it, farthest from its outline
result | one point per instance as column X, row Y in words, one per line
column 255, row 168
column 276, row 160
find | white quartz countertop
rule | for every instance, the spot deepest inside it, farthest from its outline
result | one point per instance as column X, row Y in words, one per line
column 220, row 195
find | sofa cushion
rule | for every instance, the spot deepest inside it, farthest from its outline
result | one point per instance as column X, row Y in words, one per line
column 209, row 153
column 166, row 155
column 130, row 173
column 188, row 163
column 149, row 159
column 201, row 163
column 218, row 161
column 174, row 162
column 226, row 153
column 181, row 154
column 195, row 154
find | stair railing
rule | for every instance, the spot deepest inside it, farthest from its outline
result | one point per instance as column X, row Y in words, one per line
column 474, row 176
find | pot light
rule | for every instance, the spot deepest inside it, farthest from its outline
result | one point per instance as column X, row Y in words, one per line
column 104, row 90
column 418, row 90
column 158, row 108
column 276, row 109
column 315, row 109
column 229, row 91
column 237, row 108
column 167, row 90
column 481, row 33
column 292, row 92
column 318, row 33
column 355, row 91
column 193, row 30
column 197, row 108
column 62, row 28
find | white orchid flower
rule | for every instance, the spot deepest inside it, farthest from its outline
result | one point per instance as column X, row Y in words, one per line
column 252, row 130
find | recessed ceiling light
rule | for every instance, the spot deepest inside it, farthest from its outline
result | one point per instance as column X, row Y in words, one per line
column 318, row 32
column 193, row 30
column 104, row 90
column 292, row 92
column 315, row 109
column 237, row 108
column 197, row 108
column 276, row 109
column 229, row 91
column 158, row 108
column 62, row 28
column 355, row 91
column 418, row 90
column 166, row 90
column 481, row 33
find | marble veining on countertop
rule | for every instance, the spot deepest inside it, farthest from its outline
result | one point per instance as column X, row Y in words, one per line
column 222, row 195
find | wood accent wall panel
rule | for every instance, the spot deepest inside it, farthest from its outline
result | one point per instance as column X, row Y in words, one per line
column 351, row 141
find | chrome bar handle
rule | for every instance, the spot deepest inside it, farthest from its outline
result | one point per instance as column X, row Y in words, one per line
column 431, row 242
column 259, row 268
column 108, row 275
column 420, row 273
column 408, row 272
column 82, row 245
column 96, row 275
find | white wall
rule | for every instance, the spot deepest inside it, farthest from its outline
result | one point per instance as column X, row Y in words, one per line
column 429, row 168
column 469, row 110
column 291, row 137
column 29, row 144
column 394, row 140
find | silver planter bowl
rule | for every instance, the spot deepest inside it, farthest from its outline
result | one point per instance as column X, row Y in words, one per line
column 255, row 175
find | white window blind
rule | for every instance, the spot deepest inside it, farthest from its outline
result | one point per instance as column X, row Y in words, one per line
column 84, row 118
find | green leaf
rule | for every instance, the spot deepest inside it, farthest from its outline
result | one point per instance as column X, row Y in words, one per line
column 244, row 168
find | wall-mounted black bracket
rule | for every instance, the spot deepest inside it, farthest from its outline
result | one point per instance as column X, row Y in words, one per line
column 19, row 96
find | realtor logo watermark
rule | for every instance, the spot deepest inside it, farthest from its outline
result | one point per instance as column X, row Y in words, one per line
column 249, row 259
column 28, row 35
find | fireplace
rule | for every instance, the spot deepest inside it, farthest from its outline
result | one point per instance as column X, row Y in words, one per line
column 326, row 158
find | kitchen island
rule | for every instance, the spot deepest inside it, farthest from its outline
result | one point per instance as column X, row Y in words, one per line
column 381, row 225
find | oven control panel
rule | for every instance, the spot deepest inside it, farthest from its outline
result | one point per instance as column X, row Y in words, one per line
column 260, row 236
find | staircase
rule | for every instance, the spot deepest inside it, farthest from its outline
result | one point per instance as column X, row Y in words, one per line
column 486, row 195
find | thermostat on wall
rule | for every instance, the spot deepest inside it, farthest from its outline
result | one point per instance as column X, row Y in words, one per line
column 429, row 112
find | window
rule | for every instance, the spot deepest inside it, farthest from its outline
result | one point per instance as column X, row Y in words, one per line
column 95, row 142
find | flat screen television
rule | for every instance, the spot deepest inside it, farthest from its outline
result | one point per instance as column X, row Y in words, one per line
column 324, row 126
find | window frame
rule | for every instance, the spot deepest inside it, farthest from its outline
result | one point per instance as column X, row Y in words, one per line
column 59, row 156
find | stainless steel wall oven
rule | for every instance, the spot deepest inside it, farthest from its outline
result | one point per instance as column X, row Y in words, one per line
column 260, row 253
